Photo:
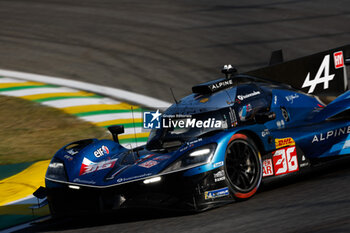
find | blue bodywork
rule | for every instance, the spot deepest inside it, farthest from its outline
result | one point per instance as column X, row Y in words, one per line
column 301, row 121
column 309, row 125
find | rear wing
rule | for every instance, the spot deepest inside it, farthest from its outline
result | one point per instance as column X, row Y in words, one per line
column 322, row 74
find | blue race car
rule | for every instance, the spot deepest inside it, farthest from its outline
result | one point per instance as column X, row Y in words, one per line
column 217, row 144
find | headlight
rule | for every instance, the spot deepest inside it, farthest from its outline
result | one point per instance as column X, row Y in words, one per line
column 56, row 170
column 199, row 156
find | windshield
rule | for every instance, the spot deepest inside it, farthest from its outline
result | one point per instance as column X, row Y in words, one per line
column 176, row 130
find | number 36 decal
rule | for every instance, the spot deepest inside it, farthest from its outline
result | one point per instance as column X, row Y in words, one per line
column 285, row 160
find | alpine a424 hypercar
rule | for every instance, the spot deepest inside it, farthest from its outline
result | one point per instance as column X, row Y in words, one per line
column 216, row 145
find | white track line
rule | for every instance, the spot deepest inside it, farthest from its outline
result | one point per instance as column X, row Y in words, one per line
column 25, row 225
column 35, row 91
column 111, row 116
column 137, row 130
column 11, row 80
column 107, row 91
column 103, row 90
column 26, row 200
column 133, row 145
column 71, row 102
column 17, row 228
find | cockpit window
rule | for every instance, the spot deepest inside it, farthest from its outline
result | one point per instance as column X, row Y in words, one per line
column 250, row 99
column 176, row 131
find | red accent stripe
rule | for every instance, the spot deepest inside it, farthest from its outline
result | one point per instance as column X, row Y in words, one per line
column 238, row 136
column 251, row 193
column 246, row 195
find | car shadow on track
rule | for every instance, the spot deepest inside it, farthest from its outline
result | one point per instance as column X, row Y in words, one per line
column 330, row 169
column 318, row 172
column 95, row 220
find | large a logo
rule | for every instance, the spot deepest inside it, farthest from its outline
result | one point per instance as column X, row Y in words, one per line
column 151, row 120
column 331, row 134
column 324, row 69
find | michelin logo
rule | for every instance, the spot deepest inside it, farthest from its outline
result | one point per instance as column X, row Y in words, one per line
column 216, row 193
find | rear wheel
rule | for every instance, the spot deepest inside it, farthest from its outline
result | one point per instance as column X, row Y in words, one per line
column 243, row 167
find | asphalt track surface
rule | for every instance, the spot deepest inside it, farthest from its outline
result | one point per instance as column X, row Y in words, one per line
column 149, row 46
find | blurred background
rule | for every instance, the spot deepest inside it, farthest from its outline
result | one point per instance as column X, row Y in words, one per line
column 149, row 46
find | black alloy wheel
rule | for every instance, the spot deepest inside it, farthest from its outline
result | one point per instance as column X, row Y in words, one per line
column 243, row 166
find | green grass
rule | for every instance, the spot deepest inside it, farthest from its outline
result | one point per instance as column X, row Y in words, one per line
column 30, row 131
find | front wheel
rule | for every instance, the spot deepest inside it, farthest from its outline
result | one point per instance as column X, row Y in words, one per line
column 243, row 167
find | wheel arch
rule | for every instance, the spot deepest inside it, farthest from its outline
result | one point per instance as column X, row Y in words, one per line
column 252, row 135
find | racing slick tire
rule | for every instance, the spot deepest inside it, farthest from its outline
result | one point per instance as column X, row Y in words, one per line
column 243, row 167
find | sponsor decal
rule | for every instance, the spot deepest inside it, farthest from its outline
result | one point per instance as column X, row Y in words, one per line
column 88, row 166
column 133, row 177
column 184, row 148
column 275, row 99
column 218, row 164
column 219, row 176
column 280, row 124
column 233, row 118
column 267, row 167
column 331, row 134
column 151, row 120
column 190, row 144
column 324, row 69
column 101, row 151
column 220, row 85
column 148, row 164
column 194, row 141
column 77, row 180
column 162, row 157
column 265, row 132
column 291, row 98
column 304, row 164
column 105, row 150
column 284, row 142
column 243, row 97
column 72, row 152
column 285, row 161
column 204, row 100
column 68, row 157
column 338, row 59
column 216, row 193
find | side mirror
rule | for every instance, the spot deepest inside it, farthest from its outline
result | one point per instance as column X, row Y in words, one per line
column 263, row 117
column 115, row 131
